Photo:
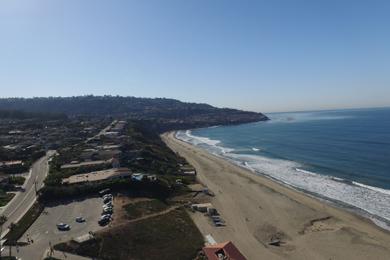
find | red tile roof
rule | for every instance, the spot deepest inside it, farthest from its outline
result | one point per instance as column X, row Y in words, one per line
column 227, row 249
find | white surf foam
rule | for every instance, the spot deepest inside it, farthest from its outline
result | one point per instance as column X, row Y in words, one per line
column 211, row 144
column 372, row 188
column 255, row 149
column 188, row 137
column 372, row 200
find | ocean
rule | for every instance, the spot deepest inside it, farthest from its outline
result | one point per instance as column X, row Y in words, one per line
column 341, row 156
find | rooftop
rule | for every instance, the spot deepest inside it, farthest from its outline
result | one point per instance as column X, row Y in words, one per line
column 223, row 251
column 9, row 163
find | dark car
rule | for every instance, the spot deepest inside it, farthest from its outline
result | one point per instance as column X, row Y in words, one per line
column 107, row 200
column 103, row 192
column 104, row 220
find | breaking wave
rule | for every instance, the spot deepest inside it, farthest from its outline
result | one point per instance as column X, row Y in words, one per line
column 370, row 201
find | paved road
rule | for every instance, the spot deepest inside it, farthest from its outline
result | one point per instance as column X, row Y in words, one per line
column 103, row 131
column 44, row 230
column 22, row 201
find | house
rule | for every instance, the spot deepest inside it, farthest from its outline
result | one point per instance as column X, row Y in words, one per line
column 223, row 251
column 11, row 163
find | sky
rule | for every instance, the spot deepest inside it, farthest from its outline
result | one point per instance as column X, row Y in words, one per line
column 264, row 56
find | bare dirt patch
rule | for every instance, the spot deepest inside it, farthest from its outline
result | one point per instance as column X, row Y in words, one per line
column 327, row 223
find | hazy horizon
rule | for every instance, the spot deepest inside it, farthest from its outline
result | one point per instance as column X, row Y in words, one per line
column 265, row 56
column 200, row 102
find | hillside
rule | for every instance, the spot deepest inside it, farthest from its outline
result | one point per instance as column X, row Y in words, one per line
column 160, row 113
column 18, row 114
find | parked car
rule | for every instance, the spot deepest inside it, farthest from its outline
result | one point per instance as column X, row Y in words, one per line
column 109, row 210
column 107, row 207
column 107, row 196
column 106, row 200
column 104, row 220
column 80, row 220
column 108, row 204
column 103, row 192
column 63, row 227
column 219, row 224
column 216, row 219
column 106, row 216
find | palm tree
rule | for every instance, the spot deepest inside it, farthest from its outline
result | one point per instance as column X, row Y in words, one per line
column 3, row 219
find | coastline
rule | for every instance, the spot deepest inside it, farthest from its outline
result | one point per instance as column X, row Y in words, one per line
column 258, row 209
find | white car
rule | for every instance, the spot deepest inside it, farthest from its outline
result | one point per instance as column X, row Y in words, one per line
column 105, row 216
column 63, row 227
column 108, row 208
column 107, row 196
column 80, row 220
column 108, row 211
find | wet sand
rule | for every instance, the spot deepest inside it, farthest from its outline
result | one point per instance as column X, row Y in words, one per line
column 258, row 210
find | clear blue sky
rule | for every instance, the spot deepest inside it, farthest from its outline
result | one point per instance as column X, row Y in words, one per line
column 258, row 55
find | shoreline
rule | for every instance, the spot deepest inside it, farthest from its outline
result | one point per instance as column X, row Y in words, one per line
column 308, row 227
column 378, row 220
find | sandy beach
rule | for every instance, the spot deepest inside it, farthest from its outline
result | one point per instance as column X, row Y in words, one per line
column 258, row 210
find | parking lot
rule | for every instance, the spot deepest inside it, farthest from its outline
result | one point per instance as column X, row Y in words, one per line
column 45, row 231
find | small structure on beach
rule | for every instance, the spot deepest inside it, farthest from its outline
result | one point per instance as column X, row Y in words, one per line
column 83, row 238
column 223, row 251
column 203, row 207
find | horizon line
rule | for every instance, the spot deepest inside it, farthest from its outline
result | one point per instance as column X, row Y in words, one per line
column 196, row 102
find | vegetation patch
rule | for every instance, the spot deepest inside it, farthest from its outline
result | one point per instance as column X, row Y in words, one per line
column 24, row 223
column 5, row 198
column 89, row 248
column 165, row 237
column 143, row 208
column 16, row 180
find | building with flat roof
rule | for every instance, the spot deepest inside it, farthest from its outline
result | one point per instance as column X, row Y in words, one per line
column 11, row 163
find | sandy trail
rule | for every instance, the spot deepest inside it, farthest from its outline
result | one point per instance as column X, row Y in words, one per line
column 258, row 210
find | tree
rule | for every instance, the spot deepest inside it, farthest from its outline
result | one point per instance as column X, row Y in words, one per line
column 11, row 228
column 3, row 219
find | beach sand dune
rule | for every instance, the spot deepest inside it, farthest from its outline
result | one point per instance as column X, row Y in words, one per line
column 258, row 210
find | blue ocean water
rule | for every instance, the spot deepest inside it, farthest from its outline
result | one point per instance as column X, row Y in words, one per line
column 342, row 156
